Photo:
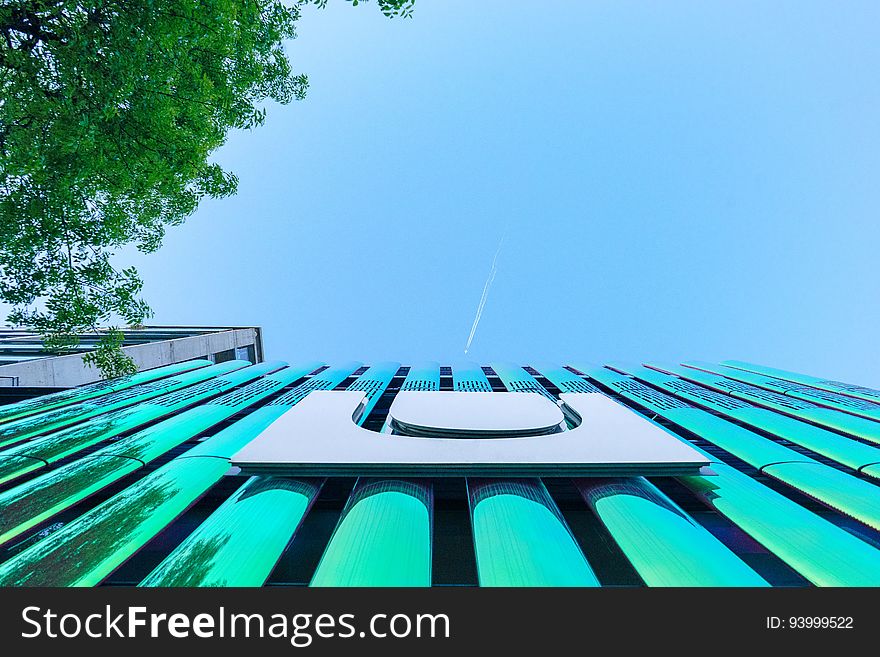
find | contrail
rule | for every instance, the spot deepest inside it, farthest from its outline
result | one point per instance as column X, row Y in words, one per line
column 485, row 296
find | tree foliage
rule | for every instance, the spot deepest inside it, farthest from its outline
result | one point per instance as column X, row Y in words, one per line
column 108, row 356
column 109, row 110
column 391, row 8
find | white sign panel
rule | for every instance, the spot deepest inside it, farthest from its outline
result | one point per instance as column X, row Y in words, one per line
column 319, row 437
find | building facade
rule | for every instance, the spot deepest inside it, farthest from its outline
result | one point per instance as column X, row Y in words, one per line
column 25, row 364
column 232, row 474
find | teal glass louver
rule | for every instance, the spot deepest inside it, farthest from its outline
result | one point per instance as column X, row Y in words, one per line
column 516, row 379
column 823, row 553
column 844, row 450
column 55, row 419
column 384, row 535
column 565, row 380
column 849, row 494
column 45, row 450
column 240, row 543
column 469, row 377
column 58, row 419
column 848, row 389
column 40, row 498
column 665, row 546
column 209, row 460
column 88, row 549
column 382, row 539
column 520, row 538
column 868, row 409
column 422, row 376
column 798, row 408
column 373, row 383
column 57, row 399
column 809, row 557
column 165, row 446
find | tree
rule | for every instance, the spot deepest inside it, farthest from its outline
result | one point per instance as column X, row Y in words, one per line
column 391, row 8
column 109, row 111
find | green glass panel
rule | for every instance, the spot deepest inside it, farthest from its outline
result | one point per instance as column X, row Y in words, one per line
column 833, row 400
column 67, row 415
column 855, row 497
column 88, row 549
column 60, row 444
column 855, row 426
column 849, row 389
column 772, row 372
column 12, row 466
column 373, row 382
column 325, row 380
column 842, row 491
column 778, row 395
column 382, row 539
column 57, row 445
column 819, row 550
column 422, row 376
column 755, row 450
column 564, row 379
column 43, row 496
column 664, row 545
column 655, row 401
column 693, row 392
column 230, row 440
column 74, row 395
column 367, row 536
column 776, row 385
column 869, row 410
column 240, row 543
column 31, row 505
column 233, row 438
column 598, row 373
column 520, row 538
column 827, row 443
column 836, row 447
column 34, row 501
column 766, row 398
column 469, row 377
column 249, row 373
column 850, row 424
column 153, row 441
column 809, row 544
column 516, row 379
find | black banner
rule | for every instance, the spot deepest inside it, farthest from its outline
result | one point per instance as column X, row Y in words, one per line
column 432, row 621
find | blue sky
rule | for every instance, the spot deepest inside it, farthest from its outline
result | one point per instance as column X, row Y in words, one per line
column 676, row 180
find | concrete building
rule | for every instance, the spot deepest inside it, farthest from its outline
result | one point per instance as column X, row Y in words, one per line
column 24, row 363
